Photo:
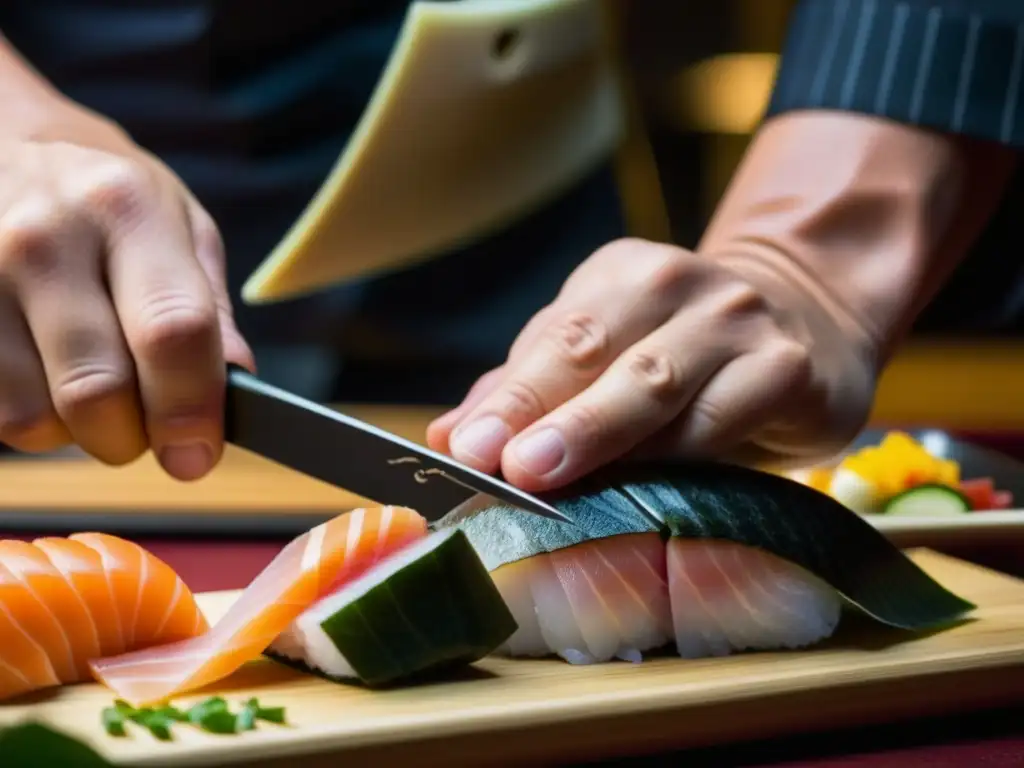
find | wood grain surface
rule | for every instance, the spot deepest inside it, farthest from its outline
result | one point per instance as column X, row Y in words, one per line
column 538, row 711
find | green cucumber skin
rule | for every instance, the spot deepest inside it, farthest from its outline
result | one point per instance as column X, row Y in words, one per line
column 892, row 505
column 438, row 612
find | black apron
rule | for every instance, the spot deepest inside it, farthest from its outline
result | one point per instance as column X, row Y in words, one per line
column 251, row 102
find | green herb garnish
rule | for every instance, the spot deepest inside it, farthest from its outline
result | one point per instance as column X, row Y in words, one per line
column 199, row 712
column 246, row 720
column 113, row 721
column 219, row 721
column 172, row 713
column 158, row 725
column 212, row 715
column 122, row 706
column 269, row 714
column 157, row 721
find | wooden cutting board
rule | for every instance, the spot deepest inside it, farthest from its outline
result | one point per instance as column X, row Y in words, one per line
column 528, row 711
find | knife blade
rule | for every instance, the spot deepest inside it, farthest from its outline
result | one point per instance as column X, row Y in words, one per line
column 351, row 454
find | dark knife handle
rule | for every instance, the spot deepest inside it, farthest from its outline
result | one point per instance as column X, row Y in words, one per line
column 232, row 381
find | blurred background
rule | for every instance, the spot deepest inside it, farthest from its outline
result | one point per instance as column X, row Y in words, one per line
column 704, row 73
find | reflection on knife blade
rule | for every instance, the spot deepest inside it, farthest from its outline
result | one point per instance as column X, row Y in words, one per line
column 354, row 455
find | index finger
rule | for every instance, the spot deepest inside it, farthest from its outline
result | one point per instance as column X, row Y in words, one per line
column 584, row 331
column 169, row 317
column 568, row 355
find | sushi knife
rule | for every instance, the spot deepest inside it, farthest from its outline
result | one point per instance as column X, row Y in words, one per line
column 351, row 454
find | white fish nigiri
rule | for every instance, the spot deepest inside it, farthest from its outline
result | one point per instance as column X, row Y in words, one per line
column 596, row 601
column 699, row 559
column 728, row 597
column 621, row 596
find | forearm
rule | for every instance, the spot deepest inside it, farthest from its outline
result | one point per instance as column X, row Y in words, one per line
column 893, row 128
column 869, row 215
column 25, row 94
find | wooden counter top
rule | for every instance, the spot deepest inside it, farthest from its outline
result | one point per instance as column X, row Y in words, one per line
column 245, row 495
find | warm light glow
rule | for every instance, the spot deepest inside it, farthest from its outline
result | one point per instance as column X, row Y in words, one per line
column 725, row 94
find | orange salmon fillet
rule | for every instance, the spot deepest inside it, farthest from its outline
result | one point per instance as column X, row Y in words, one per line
column 66, row 602
column 311, row 566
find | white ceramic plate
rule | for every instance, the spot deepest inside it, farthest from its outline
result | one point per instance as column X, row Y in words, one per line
column 998, row 527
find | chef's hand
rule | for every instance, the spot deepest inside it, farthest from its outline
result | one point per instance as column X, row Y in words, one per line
column 115, row 323
column 764, row 346
column 650, row 349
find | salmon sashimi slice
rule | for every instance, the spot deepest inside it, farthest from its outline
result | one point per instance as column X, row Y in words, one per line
column 602, row 599
column 24, row 663
column 308, row 568
column 125, row 573
column 65, row 603
column 728, row 597
column 72, row 640
column 82, row 568
column 14, row 682
column 154, row 605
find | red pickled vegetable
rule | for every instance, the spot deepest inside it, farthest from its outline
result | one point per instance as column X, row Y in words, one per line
column 982, row 495
column 978, row 492
column 1002, row 500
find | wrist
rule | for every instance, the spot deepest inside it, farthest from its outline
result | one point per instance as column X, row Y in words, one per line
column 62, row 120
column 36, row 111
column 867, row 217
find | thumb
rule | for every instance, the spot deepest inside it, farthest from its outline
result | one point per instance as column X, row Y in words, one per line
column 209, row 249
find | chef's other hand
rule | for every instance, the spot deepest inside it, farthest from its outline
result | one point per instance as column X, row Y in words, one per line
column 652, row 349
column 762, row 347
column 115, row 323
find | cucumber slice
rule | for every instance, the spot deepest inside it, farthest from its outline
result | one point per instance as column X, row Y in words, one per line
column 928, row 501
column 426, row 608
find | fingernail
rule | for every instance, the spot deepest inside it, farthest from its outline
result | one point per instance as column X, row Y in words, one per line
column 541, row 452
column 481, row 440
column 187, row 461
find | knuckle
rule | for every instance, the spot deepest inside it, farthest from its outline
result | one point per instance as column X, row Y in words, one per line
column 120, row 191
column 86, row 385
column 743, row 300
column 794, row 360
column 487, row 381
column 523, row 399
column 174, row 322
column 206, row 236
column 29, row 240
column 708, row 416
column 586, row 425
column 580, row 338
column 617, row 249
column 655, row 373
column 666, row 272
column 740, row 315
